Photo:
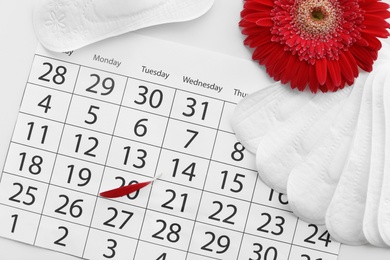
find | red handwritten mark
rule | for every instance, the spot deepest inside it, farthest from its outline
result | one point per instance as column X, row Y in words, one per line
column 125, row 190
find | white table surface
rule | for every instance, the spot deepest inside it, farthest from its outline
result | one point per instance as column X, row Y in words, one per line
column 217, row 31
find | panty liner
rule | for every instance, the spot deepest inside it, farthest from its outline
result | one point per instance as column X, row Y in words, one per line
column 65, row 25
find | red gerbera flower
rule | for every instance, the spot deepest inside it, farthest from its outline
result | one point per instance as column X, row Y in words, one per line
column 315, row 43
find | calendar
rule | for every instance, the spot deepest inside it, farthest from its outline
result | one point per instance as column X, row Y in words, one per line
column 124, row 111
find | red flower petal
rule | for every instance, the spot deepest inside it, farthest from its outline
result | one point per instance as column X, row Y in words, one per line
column 269, row 3
column 271, row 60
column 334, row 73
column 303, row 76
column 362, row 55
column 253, row 31
column 258, row 40
column 125, row 190
column 346, row 72
column 260, row 53
column 377, row 31
column 352, row 62
column 373, row 42
column 258, row 6
column 370, row 6
column 375, row 20
column 254, row 17
column 321, row 70
column 285, row 70
column 329, row 85
column 313, row 82
column 265, row 22
column 291, row 69
column 281, row 62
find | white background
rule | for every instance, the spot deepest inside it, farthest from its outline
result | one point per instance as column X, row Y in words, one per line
column 217, row 31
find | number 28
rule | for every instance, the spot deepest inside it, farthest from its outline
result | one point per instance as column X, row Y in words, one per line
column 59, row 76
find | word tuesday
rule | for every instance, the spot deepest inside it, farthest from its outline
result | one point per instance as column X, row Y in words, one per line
column 153, row 72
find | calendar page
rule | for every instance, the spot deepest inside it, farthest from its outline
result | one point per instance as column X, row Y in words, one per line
column 124, row 111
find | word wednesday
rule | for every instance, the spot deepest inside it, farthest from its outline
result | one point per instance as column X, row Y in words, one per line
column 153, row 72
column 111, row 61
column 197, row 82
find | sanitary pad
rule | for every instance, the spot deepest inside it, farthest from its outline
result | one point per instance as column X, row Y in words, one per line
column 312, row 183
column 287, row 146
column 344, row 217
column 65, row 25
column 261, row 112
column 370, row 223
column 384, row 204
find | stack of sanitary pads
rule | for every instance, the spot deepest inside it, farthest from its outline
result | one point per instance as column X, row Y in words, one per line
column 329, row 152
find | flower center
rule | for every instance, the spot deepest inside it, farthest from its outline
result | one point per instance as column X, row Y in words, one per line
column 317, row 15
column 314, row 29
column 316, row 18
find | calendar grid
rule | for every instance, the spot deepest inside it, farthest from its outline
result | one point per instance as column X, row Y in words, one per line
column 86, row 127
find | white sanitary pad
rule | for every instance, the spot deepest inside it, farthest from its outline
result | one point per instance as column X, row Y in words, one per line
column 384, row 203
column 370, row 221
column 65, row 25
column 312, row 183
column 263, row 111
column 287, row 146
column 344, row 217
